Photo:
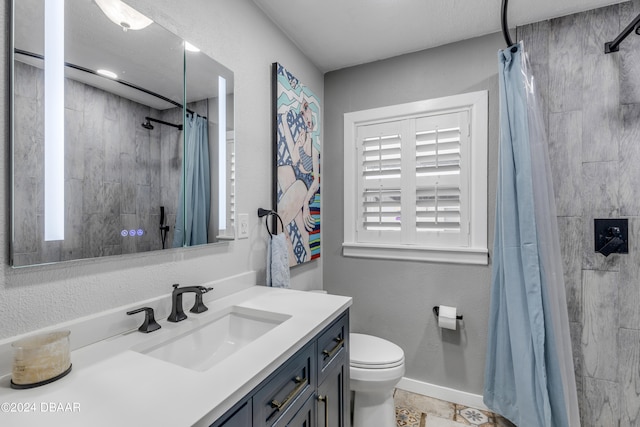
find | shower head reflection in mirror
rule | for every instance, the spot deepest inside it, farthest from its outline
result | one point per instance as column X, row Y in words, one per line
column 123, row 144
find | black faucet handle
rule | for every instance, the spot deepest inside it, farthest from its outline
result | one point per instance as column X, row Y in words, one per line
column 149, row 324
column 198, row 306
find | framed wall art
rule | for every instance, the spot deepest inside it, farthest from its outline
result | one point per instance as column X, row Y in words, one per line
column 296, row 181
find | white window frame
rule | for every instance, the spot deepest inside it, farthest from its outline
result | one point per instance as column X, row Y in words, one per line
column 476, row 252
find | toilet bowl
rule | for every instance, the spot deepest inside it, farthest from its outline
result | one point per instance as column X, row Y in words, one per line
column 376, row 366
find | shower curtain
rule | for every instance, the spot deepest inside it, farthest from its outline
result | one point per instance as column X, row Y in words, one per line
column 192, row 221
column 529, row 373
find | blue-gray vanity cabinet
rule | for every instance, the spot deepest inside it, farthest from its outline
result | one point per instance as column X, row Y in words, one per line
column 310, row 389
column 277, row 401
column 238, row 416
column 333, row 375
column 306, row 416
column 333, row 395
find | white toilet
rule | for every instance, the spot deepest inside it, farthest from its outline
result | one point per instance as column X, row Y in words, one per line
column 377, row 365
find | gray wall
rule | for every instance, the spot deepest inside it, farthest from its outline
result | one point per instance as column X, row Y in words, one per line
column 592, row 107
column 393, row 299
column 239, row 36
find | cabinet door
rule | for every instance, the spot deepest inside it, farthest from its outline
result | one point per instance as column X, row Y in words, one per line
column 237, row 417
column 286, row 391
column 332, row 396
column 306, row 416
column 333, row 342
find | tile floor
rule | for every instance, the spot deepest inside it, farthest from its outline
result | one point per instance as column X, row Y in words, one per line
column 414, row 410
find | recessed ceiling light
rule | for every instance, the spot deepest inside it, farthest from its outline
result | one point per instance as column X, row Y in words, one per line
column 124, row 15
column 107, row 73
column 190, row 47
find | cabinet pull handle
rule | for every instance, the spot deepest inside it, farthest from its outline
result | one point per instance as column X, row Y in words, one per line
column 279, row 406
column 329, row 353
column 325, row 400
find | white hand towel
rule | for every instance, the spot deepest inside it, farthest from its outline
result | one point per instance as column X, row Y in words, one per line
column 278, row 262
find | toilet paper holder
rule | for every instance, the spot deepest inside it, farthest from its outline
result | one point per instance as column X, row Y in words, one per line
column 436, row 311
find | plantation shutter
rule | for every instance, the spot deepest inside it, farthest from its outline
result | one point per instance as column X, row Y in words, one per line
column 413, row 181
column 379, row 151
column 442, row 178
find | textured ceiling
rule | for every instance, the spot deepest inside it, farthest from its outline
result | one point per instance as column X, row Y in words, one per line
column 339, row 33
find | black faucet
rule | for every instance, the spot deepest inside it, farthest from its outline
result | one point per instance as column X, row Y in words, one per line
column 177, row 313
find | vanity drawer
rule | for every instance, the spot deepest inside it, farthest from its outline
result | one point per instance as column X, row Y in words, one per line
column 333, row 342
column 287, row 390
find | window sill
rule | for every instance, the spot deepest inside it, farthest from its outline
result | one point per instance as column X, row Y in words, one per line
column 474, row 256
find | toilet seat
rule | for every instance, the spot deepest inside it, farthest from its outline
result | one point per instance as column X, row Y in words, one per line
column 369, row 352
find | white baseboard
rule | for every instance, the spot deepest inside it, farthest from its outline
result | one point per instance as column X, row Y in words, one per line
column 443, row 393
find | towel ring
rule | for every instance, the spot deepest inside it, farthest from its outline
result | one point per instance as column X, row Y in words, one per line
column 267, row 213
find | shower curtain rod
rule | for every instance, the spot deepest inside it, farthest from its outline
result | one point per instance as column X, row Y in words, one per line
column 614, row 46
column 122, row 82
column 505, row 26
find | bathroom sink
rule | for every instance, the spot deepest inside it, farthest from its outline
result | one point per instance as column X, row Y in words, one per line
column 216, row 339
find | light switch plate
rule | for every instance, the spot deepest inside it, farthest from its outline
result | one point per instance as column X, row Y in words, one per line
column 243, row 226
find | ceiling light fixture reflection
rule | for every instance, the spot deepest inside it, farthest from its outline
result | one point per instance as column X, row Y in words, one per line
column 123, row 15
column 191, row 48
column 107, row 73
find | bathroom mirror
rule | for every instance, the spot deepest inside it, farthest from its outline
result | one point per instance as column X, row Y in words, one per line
column 99, row 161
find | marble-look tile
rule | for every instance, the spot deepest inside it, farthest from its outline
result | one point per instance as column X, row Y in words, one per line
column 25, row 226
column 629, row 160
column 601, row 114
column 601, row 24
column 601, row 107
column 629, row 59
column 129, row 188
column 424, row 404
column 74, row 218
column 112, row 194
column 575, row 329
column 600, row 324
column 23, row 80
column 111, row 231
column 570, row 230
column 74, row 95
column 629, row 292
column 566, row 40
column 74, row 143
column 143, row 158
column 93, row 188
column 28, row 138
column 112, row 166
column 112, row 250
column 565, row 155
column 602, row 403
column 599, row 200
column 112, row 105
column 629, row 377
column 94, row 234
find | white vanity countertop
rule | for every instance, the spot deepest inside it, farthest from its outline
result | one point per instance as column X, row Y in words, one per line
column 112, row 385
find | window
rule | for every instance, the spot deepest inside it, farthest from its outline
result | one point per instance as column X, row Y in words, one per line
column 416, row 180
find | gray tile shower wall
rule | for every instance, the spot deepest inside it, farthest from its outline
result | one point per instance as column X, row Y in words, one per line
column 117, row 176
column 591, row 104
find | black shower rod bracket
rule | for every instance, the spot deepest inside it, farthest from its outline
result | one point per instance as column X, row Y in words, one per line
column 614, row 46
